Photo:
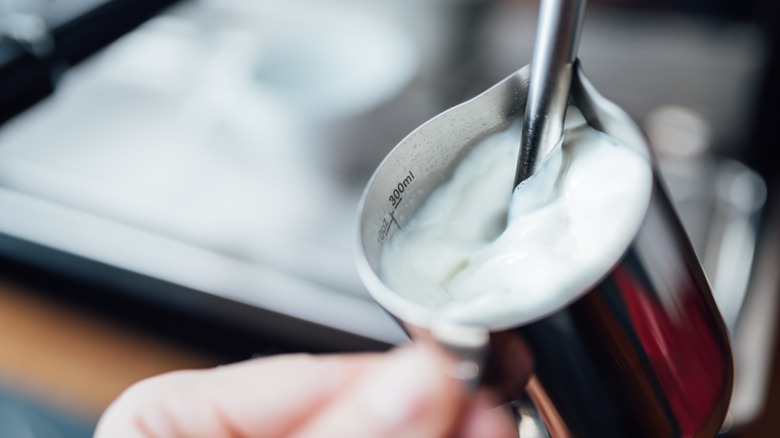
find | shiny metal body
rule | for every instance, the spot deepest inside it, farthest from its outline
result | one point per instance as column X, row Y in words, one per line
column 555, row 50
column 643, row 353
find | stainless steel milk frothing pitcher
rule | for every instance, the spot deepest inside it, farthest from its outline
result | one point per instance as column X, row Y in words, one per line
column 643, row 353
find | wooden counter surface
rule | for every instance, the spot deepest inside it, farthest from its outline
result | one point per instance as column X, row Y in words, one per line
column 74, row 359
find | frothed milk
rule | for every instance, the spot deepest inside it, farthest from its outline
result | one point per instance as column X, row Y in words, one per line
column 474, row 254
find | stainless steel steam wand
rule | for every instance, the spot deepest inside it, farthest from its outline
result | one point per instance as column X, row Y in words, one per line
column 555, row 49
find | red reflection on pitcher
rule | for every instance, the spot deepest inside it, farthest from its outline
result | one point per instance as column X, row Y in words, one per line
column 686, row 359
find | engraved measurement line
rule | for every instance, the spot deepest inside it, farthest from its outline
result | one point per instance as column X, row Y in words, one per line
column 395, row 199
column 384, row 230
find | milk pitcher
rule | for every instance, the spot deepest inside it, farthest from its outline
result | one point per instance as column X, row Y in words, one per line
column 642, row 353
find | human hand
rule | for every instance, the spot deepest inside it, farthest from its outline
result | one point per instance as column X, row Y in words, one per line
column 403, row 393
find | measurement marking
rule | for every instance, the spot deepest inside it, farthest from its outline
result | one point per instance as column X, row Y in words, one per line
column 395, row 195
column 395, row 199
column 392, row 213
column 384, row 230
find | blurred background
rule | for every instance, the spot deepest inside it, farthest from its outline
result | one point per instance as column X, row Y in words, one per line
column 179, row 179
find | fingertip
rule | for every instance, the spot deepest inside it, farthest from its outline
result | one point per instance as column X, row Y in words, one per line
column 409, row 386
column 483, row 418
column 407, row 394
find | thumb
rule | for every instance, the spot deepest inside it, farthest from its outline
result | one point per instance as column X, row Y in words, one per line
column 264, row 398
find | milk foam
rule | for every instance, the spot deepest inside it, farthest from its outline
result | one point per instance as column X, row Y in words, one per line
column 473, row 256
